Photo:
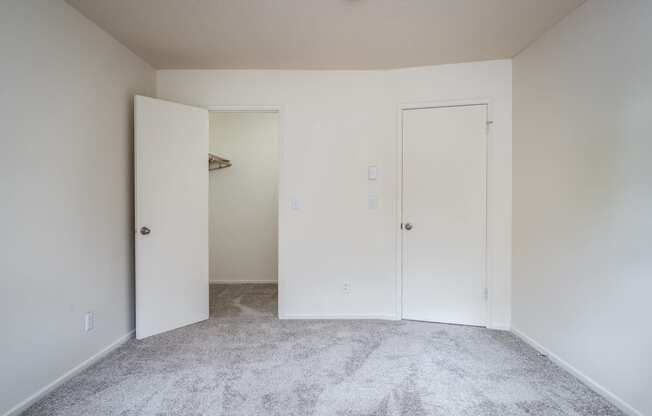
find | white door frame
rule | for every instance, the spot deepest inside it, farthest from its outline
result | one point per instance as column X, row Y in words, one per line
column 399, row 195
column 279, row 183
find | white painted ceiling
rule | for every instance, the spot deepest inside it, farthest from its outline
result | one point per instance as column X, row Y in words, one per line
column 322, row 34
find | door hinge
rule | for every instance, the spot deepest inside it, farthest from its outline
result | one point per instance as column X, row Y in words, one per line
column 486, row 294
column 401, row 226
column 489, row 123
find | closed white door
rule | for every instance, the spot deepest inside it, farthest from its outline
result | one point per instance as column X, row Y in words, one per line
column 171, row 201
column 444, row 165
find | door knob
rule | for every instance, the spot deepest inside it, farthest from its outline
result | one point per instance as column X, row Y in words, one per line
column 145, row 230
column 408, row 226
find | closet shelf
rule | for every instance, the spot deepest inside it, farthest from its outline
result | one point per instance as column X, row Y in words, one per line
column 215, row 162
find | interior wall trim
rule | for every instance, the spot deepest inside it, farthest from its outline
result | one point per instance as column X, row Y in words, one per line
column 242, row 281
column 22, row 406
column 594, row 385
column 379, row 317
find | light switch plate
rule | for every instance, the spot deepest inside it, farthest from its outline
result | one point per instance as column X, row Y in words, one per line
column 372, row 172
column 89, row 321
column 372, row 201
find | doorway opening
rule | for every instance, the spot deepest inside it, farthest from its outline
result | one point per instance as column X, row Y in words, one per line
column 243, row 212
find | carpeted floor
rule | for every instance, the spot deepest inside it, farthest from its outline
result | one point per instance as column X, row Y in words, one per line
column 244, row 361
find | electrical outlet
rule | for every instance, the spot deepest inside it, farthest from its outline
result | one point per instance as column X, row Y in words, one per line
column 89, row 321
column 346, row 288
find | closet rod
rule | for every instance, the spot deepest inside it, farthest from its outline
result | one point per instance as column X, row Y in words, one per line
column 216, row 162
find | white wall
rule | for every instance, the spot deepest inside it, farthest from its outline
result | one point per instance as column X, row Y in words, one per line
column 243, row 198
column 66, row 213
column 334, row 124
column 582, row 269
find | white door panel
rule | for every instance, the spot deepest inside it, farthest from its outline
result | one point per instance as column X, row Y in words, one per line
column 171, row 200
column 444, row 164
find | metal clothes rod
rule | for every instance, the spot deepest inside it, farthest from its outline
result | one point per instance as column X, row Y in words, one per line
column 215, row 162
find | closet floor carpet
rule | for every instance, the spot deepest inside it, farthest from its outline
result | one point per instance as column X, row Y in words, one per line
column 244, row 361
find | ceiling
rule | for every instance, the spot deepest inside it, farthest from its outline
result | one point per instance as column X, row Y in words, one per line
column 322, row 34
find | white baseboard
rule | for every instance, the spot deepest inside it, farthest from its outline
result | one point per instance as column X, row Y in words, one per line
column 22, row 406
column 499, row 327
column 242, row 282
column 614, row 399
column 348, row 317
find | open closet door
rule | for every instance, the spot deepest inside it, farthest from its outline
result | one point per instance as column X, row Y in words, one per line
column 171, row 201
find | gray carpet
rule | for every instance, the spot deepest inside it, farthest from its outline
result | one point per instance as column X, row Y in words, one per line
column 244, row 361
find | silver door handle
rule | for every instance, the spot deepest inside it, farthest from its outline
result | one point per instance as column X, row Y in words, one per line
column 408, row 226
column 145, row 230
